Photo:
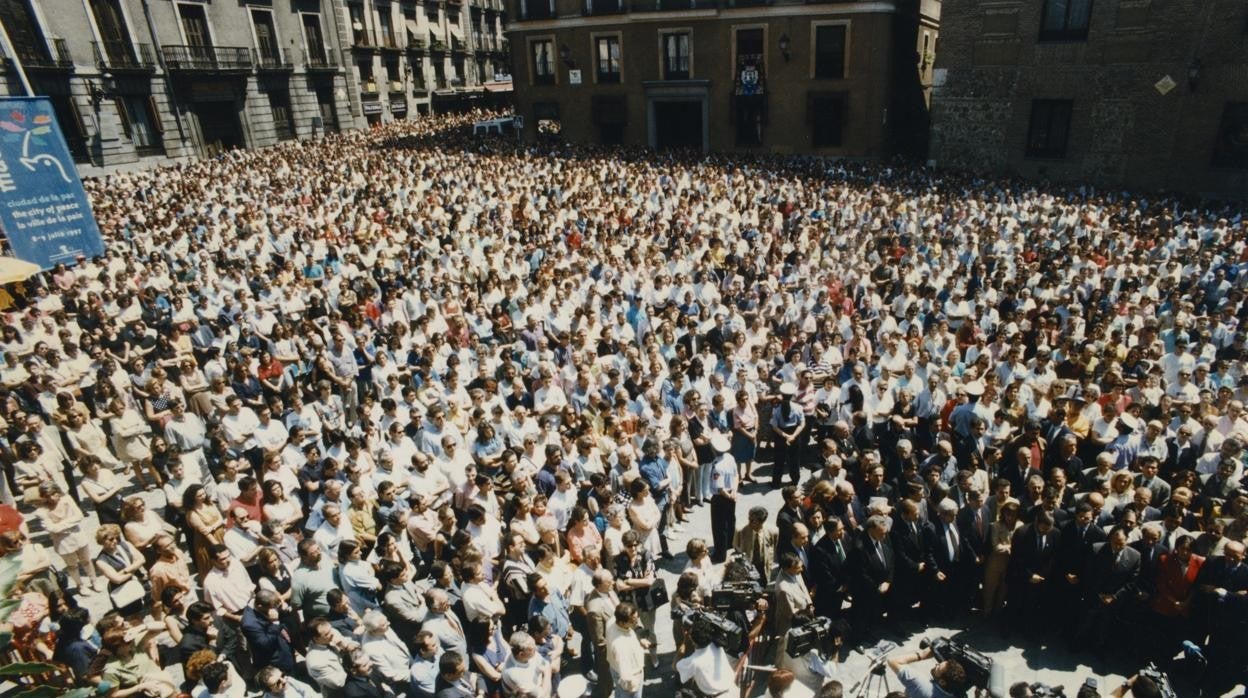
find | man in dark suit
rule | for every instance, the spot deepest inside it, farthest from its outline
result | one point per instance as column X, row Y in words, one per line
column 872, row 581
column 1181, row 452
column 845, row 447
column 1033, row 551
column 798, row 545
column 789, row 515
column 950, row 564
column 363, row 678
column 847, row 508
column 1019, row 470
column 1148, row 477
column 1071, row 558
column 908, row 535
column 829, row 571
column 874, row 486
column 1220, row 578
column 1141, row 502
column 1150, row 549
column 1107, row 585
column 1221, row 610
column 974, row 523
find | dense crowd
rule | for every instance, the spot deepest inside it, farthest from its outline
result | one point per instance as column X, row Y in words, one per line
column 406, row 412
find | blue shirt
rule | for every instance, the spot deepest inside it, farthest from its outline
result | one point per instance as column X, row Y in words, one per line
column 554, row 609
column 653, row 470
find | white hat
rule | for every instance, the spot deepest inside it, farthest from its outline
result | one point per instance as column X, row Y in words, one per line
column 788, row 389
column 720, row 442
column 974, row 388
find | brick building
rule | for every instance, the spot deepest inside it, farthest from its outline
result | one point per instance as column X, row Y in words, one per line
column 1147, row 94
column 841, row 78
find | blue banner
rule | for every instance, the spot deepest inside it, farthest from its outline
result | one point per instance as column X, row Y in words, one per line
column 44, row 211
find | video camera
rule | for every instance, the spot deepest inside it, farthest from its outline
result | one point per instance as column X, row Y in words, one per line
column 736, row 596
column 738, row 568
column 818, row 634
column 708, row 626
column 980, row 670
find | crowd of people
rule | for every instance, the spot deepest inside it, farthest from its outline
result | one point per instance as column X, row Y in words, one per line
column 406, row 412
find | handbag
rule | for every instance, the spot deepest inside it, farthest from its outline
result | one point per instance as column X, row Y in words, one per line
column 127, row 594
column 658, row 593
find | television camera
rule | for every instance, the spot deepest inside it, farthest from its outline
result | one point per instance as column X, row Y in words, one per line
column 981, row 672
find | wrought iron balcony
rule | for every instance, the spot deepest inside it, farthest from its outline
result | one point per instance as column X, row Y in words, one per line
column 58, row 58
column 272, row 59
column 416, row 43
column 120, row 55
column 458, row 45
column 322, row 60
column 212, row 59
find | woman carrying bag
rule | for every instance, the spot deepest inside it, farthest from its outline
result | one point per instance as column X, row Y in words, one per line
column 122, row 565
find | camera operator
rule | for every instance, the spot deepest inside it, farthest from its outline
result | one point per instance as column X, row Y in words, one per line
column 710, row 668
column 948, row 678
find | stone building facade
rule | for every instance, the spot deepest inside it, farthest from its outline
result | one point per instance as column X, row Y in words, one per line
column 767, row 76
column 412, row 58
column 136, row 79
column 1146, row 94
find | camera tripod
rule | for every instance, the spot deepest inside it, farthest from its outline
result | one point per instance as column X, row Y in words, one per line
column 875, row 683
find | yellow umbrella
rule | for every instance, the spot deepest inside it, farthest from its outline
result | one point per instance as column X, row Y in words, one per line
column 13, row 270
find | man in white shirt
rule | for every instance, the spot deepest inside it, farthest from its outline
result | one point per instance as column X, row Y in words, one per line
column 244, row 539
column 270, row 434
column 526, row 672
column 333, row 530
column 240, row 424
column 481, row 600
column 626, row 653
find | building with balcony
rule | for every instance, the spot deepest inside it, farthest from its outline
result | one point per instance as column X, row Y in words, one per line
column 415, row 57
column 1137, row 93
column 770, row 76
column 132, row 79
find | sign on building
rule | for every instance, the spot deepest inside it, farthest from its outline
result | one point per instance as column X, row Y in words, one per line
column 44, row 211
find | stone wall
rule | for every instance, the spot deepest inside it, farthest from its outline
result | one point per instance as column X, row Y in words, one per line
column 1123, row 131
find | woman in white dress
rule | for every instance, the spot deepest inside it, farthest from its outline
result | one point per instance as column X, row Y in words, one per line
column 643, row 514
column 63, row 521
column 132, row 441
column 86, row 436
